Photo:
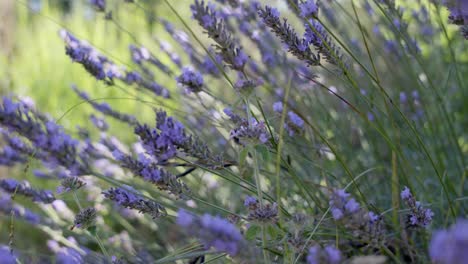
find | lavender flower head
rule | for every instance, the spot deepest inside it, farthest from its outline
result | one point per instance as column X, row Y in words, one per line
column 14, row 151
column 329, row 254
column 85, row 218
column 163, row 141
column 308, row 8
column 191, row 79
column 51, row 144
column 149, row 171
column 216, row 28
column 213, row 231
column 130, row 200
column 298, row 47
column 6, row 256
column 84, row 54
column 250, row 134
column 458, row 14
column 341, row 206
column 70, row 184
column 250, row 201
column 317, row 36
column 66, row 255
column 419, row 216
column 23, row 188
column 245, row 132
column 8, row 207
column 262, row 213
column 458, row 11
column 449, row 246
column 294, row 124
column 278, row 107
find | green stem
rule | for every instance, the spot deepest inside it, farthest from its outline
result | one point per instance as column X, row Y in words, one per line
column 103, row 249
column 76, row 200
column 260, row 198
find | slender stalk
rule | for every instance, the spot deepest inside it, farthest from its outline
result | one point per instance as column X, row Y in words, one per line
column 101, row 245
column 95, row 234
column 260, row 199
column 278, row 160
column 75, row 197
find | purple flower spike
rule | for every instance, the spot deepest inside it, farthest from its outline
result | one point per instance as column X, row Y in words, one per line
column 329, row 254
column 308, row 8
column 278, row 107
column 129, row 199
column 6, row 256
column 191, row 79
column 449, row 246
column 418, row 216
column 213, row 231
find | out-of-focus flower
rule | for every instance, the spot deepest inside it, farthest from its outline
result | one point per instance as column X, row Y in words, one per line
column 191, row 79
column 308, row 8
column 329, row 255
column 131, row 200
column 450, row 246
column 213, row 231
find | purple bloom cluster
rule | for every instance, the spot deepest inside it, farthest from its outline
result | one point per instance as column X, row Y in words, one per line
column 253, row 133
column 278, row 107
column 191, row 79
column 250, row 201
column 449, row 246
column 245, row 87
column 294, row 124
column 308, row 8
column 85, row 218
column 329, row 254
column 317, row 36
column 216, row 29
column 23, row 188
column 298, row 47
column 458, row 11
column 6, row 256
column 70, row 184
column 162, row 142
column 51, row 144
column 209, row 67
column 129, row 199
column 341, row 206
column 15, row 150
column 213, row 231
column 266, row 213
column 66, row 255
column 419, row 216
column 104, row 69
column 245, row 132
column 8, row 207
column 86, row 55
column 365, row 226
column 149, row 171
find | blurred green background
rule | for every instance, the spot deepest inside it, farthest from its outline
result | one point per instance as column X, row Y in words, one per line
column 33, row 62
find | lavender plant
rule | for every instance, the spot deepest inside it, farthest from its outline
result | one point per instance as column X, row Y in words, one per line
column 261, row 150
